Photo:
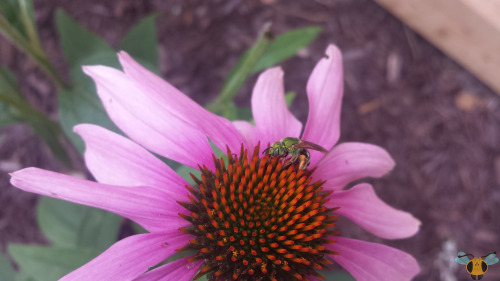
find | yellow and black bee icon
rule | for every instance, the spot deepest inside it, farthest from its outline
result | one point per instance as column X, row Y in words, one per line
column 476, row 266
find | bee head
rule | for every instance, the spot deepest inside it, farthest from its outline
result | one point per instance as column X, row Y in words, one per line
column 275, row 150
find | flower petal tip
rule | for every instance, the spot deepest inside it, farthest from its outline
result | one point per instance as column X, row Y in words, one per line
column 277, row 70
column 412, row 227
column 88, row 69
column 332, row 51
column 122, row 55
column 361, row 205
column 77, row 129
column 16, row 177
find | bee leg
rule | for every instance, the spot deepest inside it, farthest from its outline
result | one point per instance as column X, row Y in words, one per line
column 303, row 162
column 290, row 161
column 479, row 277
column 473, row 277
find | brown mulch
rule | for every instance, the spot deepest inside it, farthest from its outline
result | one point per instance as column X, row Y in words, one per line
column 440, row 124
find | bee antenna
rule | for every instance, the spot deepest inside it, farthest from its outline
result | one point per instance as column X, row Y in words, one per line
column 494, row 253
column 265, row 150
column 466, row 255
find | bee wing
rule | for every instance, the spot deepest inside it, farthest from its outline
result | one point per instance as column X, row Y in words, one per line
column 462, row 258
column 310, row 145
column 491, row 259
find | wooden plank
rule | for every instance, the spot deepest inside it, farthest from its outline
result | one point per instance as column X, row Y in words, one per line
column 466, row 30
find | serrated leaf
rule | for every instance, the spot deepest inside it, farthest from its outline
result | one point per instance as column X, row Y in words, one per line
column 71, row 225
column 6, row 270
column 142, row 44
column 287, row 45
column 45, row 263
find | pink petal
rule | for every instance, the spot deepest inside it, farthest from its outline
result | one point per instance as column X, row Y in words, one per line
column 370, row 261
column 116, row 160
column 249, row 132
column 147, row 122
column 270, row 112
column 153, row 209
column 179, row 270
column 361, row 205
column 167, row 98
column 348, row 162
column 130, row 257
column 325, row 90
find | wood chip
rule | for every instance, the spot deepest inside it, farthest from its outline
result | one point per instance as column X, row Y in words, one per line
column 467, row 101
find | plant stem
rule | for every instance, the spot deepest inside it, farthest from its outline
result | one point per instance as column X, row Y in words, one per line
column 32, row 47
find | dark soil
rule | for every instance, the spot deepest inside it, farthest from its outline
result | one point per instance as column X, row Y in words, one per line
column 439, row 123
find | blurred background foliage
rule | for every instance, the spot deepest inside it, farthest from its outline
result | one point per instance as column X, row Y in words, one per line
column 438, row 122
column 78, row 233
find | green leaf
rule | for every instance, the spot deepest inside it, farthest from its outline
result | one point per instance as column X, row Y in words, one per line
column 77, row 42
column 218, row 153
column 8, row 84
column 51, row 134
column 19, row 14
column 138, row 228
column 78, row 106
column 185, row 171
column 203, row 278
column 264, row 53
column 289, row 97
column 8, row 116
column 6, row 270
column 245, row 113
column 337, row 275
column 16, row 109
column 240, row 72
column 287, row 45
column 141, row 43
column 9, row 90
column 18, row 26
column 81, row 104
column 21, row 276
column 49, row 263
column 230, row 111
column 71, row 225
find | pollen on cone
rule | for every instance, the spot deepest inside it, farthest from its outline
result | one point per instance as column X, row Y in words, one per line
column 258, row 219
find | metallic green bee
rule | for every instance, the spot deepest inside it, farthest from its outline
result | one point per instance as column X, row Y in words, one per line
column 296, row 148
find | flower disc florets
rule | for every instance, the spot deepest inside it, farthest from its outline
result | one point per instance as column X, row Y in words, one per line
column 258, row 220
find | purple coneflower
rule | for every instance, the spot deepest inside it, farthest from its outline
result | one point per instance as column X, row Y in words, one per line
column 253, row 216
